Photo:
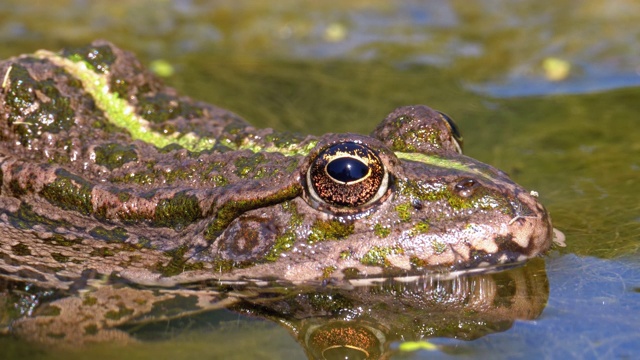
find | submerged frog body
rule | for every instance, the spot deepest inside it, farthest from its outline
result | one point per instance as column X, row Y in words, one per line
column 105, row 170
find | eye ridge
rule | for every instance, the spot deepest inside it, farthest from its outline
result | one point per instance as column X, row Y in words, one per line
column 348, row 175
column 454, row 129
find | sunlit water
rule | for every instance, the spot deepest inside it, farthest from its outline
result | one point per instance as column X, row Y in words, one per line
column 335, row 67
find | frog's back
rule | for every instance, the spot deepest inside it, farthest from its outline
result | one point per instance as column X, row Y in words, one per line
column 55, row 111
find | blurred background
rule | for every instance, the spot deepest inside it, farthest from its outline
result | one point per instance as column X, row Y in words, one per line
column 548, row 91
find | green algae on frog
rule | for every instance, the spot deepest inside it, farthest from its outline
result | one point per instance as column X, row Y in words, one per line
column 105, row 170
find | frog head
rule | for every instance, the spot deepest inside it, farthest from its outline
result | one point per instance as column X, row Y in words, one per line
column 402, row 200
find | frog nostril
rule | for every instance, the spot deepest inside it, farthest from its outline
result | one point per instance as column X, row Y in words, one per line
column 417, row 204
column 465, row 187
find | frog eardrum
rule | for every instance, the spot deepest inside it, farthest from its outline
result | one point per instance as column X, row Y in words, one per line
column 347, row 174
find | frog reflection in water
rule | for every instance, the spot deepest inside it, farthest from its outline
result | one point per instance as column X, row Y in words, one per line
column 105, row 169
column 328, row 322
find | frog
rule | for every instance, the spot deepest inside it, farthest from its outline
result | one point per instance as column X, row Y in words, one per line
column 106, row 171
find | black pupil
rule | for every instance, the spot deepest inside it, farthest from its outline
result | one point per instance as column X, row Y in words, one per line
column 347, row 169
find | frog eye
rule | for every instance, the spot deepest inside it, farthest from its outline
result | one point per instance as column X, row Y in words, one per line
column 340, row 340
column 455, row 131
column 348, row 175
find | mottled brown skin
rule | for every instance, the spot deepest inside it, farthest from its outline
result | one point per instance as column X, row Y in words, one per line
column 85, row 196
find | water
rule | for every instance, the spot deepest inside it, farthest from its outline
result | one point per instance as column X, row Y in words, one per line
column 329, row 66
